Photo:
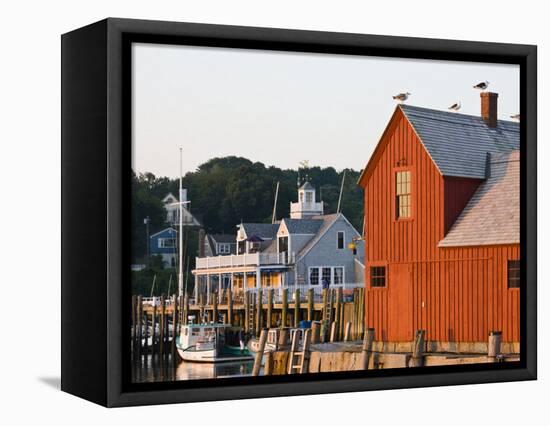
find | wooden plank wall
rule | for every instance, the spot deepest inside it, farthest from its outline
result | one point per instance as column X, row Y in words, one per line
column 459, row 294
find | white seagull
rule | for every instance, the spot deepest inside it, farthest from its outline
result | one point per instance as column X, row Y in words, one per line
column 515, row 117
column 482, row 86
column 455, row 107
column 402, row 96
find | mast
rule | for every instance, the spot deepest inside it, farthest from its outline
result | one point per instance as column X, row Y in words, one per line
column 180, row 274
column 273, row 217
column 341, row 190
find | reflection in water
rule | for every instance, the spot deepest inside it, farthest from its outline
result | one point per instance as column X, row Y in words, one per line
column 162, row 369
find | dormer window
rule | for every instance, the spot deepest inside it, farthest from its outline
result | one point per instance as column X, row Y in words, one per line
column 309, row 197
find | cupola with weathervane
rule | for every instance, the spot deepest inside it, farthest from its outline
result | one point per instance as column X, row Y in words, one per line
column 307, row 206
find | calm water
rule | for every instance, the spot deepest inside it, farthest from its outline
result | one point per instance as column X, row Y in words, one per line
column 151, row 369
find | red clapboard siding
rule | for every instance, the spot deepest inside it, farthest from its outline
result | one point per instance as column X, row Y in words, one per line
column 456, row 294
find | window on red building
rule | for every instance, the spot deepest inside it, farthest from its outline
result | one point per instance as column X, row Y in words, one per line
column 378, row 276
column 403, row 194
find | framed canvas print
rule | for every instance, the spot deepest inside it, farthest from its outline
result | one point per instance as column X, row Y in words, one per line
column 254, row 212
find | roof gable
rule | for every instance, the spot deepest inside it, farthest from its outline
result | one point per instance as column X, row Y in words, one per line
column 166, row 231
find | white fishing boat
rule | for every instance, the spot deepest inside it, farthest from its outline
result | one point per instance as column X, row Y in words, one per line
column 209, row 343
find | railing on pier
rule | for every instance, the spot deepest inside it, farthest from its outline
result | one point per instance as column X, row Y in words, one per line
column 347, row 292
column 246, row 259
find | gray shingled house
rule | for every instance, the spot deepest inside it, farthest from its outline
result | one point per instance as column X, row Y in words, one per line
column 308, row 249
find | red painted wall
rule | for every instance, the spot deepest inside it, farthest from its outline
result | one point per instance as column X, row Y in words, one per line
column 455, row 294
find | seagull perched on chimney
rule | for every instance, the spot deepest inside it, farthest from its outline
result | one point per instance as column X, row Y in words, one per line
column 455, row 107
column 515, row 117
column 482, row 86
column 402, row 96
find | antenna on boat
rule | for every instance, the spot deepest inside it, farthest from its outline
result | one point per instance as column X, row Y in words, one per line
column 341, row 190
column 180, row 274
column 273, row 217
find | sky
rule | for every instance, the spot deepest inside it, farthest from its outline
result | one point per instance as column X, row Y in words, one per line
column 281, row 108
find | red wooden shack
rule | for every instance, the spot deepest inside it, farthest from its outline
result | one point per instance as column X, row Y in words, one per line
column 442, row 226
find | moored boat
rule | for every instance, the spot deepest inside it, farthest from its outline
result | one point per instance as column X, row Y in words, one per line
column 209, row 343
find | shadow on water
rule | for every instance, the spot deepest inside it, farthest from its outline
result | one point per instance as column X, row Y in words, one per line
column 155, row 368
column 53, row 382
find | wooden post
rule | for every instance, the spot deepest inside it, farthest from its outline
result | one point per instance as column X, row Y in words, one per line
column 259, row 309
column 154, row 320
column 146, row 336
column 215, row 308
column 246, row 313
column 283, row 339
column 260, row 353
column 418, row 352
column 368, row 341
column 493, row 346
column 268, row 363
column 347, row 332
column 315, row 332
column 296, row 308
column 175, row 328
column 269, row 318
column 333, row 328
column 162, row 323
column 285, row 308
column 230, row 307
column 310, row 302
column 338, row 315
column 139, row 322
column 134, row 328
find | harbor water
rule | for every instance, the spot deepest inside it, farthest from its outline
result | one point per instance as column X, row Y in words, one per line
column 155, row 368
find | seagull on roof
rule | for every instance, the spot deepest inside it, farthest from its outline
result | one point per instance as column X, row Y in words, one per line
column 515, row 117
column 482, row 86
column 455, row 107
column 402, row 96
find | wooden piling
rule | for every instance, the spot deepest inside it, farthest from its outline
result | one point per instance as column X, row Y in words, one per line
column 175, row 328
column 246, row 309
column 296, row 308
column 315, row 332
column 134, row 320
column 260, row 353
column 310, row 302
column 338, row 315
column 418, row 351
column 268, row 363
column 333, row 333
column 347, row 332
column 259, row 312
column 269, row 308
column 493, row 345
column 284, row 312
column 230, row 307
column 282, row 342
column 368, row 341
column 215, row 308
column 162, row 324
column 139, row 308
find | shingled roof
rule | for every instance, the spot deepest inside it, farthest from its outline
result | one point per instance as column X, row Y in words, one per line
column 262, row 230
column 458, row 143
column 492, row 214
column 303, row 226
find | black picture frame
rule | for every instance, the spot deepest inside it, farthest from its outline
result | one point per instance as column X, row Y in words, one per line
column 96, row 125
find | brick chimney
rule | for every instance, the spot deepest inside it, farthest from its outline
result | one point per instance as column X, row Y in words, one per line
column 489, row 102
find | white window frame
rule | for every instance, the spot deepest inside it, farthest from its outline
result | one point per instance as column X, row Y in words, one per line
column 162, row 240
column 320, row 274
column 343, row 240
column 224, row 248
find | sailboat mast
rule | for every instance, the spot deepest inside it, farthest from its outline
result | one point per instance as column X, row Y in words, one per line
column 180, row 263
column 341, row 190
column 274, row 216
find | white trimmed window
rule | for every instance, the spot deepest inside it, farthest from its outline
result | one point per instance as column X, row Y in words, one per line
column 224, row 248
column 314, row 276
column 332, row 274
column 338, row 275
column 167, row 242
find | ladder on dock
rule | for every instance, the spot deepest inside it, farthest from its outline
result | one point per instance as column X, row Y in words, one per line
column 327, row 314
column 251, row 312
column 298, row 361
